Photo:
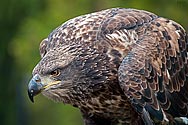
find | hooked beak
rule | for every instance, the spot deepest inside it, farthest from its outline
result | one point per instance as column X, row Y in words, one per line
column 36, row 86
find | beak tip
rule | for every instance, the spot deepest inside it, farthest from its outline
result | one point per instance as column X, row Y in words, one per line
column 30, row 96
column 34, row 87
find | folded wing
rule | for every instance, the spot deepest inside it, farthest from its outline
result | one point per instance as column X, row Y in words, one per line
column 154, row 74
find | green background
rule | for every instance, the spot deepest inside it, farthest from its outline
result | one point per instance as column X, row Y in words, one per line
column 23, row 24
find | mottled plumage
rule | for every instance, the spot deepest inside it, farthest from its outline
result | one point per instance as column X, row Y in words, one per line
column 118, row 66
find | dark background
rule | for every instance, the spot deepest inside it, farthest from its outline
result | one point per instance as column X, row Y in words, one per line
column 23, row 24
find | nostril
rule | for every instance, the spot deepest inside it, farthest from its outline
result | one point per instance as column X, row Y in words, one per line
column 37, row 78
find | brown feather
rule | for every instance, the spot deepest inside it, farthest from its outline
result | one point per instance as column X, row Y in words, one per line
column 169, row 39
column 118, row 66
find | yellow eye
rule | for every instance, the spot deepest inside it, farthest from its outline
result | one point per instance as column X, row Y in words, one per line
column 55, row 73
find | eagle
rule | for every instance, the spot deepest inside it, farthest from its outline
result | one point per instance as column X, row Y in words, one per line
column 118, row 66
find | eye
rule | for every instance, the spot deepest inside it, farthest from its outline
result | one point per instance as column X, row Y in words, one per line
column 55, row 73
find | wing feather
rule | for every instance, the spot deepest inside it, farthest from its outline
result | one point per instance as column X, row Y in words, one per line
column 154, row 73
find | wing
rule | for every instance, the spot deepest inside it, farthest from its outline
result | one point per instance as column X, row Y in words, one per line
column 154, row 74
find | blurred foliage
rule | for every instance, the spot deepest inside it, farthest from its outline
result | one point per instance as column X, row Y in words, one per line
column 23, row 24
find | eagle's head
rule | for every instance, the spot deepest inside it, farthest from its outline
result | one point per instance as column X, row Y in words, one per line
column 56, row 75
column 69, row 72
